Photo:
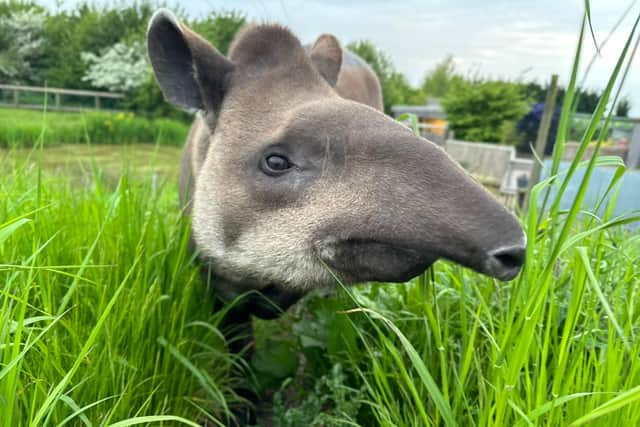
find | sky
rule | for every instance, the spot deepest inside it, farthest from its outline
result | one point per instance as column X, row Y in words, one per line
column 505, row 39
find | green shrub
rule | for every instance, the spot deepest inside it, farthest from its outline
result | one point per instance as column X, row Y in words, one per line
column 476, row 111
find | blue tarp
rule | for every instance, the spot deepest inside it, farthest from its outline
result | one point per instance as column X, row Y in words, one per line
column 628, row 198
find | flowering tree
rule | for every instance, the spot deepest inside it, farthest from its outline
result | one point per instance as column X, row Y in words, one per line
column 120, row 68
column 21, row 38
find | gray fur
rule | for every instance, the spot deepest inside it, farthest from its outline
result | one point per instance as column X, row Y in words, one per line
column 366, row 200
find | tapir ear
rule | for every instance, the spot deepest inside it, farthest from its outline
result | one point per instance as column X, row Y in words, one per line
column 326, row 55
column 191, row 73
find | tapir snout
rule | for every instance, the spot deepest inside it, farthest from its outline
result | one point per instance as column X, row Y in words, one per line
column 398, row 203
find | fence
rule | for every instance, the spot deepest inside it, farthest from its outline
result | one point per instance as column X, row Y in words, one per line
column 487, row 161
column 57, row 93
column 495, row 166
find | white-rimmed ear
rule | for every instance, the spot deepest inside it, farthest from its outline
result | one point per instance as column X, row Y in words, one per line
column 190, row 72
column 326, row 55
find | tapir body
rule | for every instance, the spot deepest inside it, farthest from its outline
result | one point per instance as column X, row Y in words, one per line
column 295, row 179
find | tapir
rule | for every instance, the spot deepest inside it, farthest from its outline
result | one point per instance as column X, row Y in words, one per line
column 295, row 179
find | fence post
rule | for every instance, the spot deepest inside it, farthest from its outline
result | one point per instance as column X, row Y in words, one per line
column 57, row 100
column 543, row 133
column 97, row 102
column 16, row 98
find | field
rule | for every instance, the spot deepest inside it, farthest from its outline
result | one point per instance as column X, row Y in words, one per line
column 104, row 319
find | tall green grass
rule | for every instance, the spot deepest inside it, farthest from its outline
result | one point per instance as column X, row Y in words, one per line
column 103, row 319
column 24, row 128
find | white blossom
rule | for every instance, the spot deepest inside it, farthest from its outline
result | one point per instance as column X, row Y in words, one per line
column 119, row 68
column 21, row 39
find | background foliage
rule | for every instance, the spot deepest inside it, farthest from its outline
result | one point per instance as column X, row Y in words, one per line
column 477, row 111
column 101, row 47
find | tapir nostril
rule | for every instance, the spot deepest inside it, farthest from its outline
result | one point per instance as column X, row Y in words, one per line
column 510, row 260
column 505, row 263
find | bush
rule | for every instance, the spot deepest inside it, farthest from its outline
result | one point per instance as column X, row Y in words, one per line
column 477, row 110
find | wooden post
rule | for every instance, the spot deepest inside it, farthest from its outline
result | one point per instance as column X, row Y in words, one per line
column 57, row 100
column 16, row 98
column 543, row 132
column 97, row 102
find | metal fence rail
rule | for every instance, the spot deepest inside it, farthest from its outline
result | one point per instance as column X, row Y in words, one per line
column 57, row 93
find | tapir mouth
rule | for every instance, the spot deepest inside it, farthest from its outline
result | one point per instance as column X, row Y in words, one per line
column 362, row 260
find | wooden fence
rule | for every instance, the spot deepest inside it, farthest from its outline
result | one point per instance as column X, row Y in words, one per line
column 57, row 93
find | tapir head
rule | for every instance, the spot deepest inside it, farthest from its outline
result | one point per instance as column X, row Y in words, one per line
column 298, row 186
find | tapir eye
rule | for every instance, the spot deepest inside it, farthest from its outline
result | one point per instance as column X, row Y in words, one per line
column 275, row 164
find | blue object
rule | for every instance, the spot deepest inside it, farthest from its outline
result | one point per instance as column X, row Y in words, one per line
column 628, row 197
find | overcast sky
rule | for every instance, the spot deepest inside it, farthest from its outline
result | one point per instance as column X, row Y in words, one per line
column 507, row 39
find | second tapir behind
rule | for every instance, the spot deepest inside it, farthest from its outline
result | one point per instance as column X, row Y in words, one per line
column 292, row 186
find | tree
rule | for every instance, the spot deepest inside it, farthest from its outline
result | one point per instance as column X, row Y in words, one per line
column 395, row 87
column 623, row 107
column 443, row 77
column 587, row 101
column 21, row 40
column 87, row 28
column 118, row 68
column 477, row 111
column 219, row 28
